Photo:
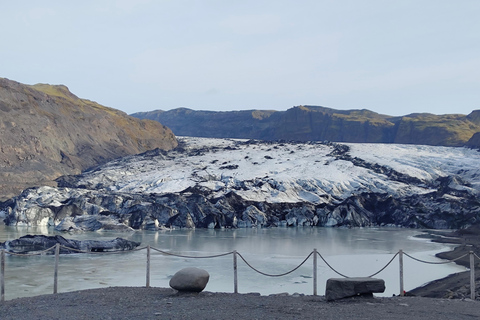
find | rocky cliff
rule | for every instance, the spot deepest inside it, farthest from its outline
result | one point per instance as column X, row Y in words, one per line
column 312, row 123
column 46, row 132
column 474, row 141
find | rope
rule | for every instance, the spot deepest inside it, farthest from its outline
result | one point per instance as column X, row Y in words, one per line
column 372, row 275
column 431, row 262
column 194, row 257
column 246, row 262
column 274, row 275
column 476, row 256
column 29, row 254
column 391, row 260
column 333, row 269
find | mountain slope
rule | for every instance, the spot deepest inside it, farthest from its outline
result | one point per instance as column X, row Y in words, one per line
column 46, row 132
column 313, row 123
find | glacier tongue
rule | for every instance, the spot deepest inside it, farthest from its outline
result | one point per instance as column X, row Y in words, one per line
column 224, row 182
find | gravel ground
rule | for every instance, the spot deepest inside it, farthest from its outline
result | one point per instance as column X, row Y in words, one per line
column 165, row 303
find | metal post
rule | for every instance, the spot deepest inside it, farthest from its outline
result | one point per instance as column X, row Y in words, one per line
column 2, row 275
column 314, row 272
column 400, row 260
column 472, row 276
column 235, row 275
column 148, row 267
column 55, row 274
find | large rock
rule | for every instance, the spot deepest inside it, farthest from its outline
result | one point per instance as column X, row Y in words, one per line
column 36, row 243
column 339, row 288
column 190, row 279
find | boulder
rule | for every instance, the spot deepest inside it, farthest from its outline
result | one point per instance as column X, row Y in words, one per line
column 339, row 288
column 36, row 243
column 190, row 279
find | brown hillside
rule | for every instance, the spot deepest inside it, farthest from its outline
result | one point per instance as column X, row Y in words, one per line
column 46, row 131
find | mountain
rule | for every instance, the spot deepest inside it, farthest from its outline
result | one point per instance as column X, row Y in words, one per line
column 216, row 183
column 46, row 132
column 474, row 141
column 313, row 123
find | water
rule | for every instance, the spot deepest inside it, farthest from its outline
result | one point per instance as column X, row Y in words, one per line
column 353, row 252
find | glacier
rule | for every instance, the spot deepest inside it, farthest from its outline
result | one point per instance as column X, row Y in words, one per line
column 217, row 183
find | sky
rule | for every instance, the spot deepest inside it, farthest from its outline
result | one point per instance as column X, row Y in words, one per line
column 391, row 57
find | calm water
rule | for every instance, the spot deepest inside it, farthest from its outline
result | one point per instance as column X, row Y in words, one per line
column 354, row 252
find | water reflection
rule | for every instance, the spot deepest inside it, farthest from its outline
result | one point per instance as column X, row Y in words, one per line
column 355, row 252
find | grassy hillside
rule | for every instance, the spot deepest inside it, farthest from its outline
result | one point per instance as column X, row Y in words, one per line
column 46, row 131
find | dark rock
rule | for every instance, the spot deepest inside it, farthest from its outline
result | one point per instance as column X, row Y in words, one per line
column 100, row 210
column 91, row 223
column 339, row 288
column 36, row 243
column 474, row 141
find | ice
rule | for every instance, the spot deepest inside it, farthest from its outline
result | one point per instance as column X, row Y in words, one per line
column 285, row 172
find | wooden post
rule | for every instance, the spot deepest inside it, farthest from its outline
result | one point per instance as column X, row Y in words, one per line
column 400, row 261
column 235, row 275
column 314, row 272
column 2, row 275
column 55, row 274
column 148, row 267
column 472, row 276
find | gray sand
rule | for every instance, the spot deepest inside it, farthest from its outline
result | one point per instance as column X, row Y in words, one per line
column 163, row 303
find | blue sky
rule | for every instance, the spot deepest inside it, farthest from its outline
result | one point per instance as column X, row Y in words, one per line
column 392, row 57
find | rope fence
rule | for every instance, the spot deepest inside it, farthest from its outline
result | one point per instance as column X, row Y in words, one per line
column 235, row 254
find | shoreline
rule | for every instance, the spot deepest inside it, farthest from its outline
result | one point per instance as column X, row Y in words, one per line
column 457, row 285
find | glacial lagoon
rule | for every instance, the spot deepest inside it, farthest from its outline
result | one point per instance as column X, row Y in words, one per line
column 353, row 252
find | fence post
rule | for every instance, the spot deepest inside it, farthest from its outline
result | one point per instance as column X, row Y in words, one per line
column 148, row 267
column 235, row 276
column 314, row 272
column 472, row 276
column 2, row 275
column 55, row 274
column 400, row 261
